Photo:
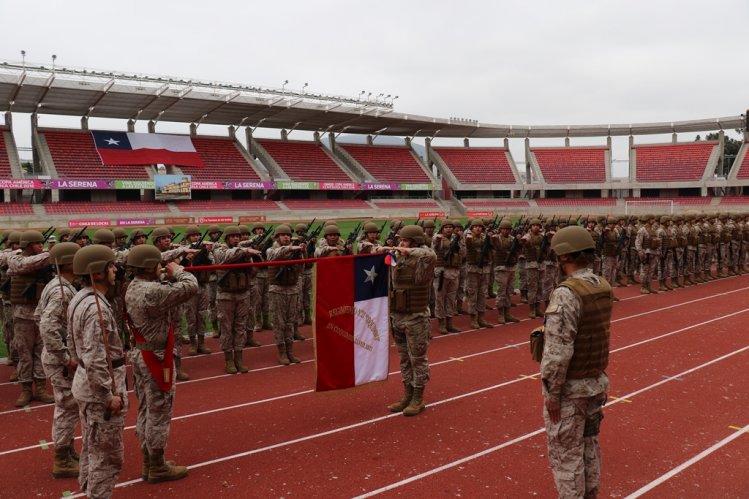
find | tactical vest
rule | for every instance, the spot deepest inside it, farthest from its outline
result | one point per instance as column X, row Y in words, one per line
column 284, row 275
column 501, row 251
column 474, row 250
column 693, row 237
column 441, row 251
column 26, row 289
column 681, row 237
column 610, row 244
column 407, row 296
column 533, row 248
column 591, row 350
column 654, row 242
column 666, row 240
column 234, row 281
column 726, row 234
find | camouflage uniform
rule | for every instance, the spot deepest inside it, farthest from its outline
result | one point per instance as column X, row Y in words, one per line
column 647, row 241
column 152, row 307
column 284, row 299
column 693, row 234
column 7, row 307
column 574, row 454
column 197, row 307
column 446, row 276
column 533, row 269
column 477, row 277
column 51, row 316
column 411, row 328
column 102, row 452
column 232, row 305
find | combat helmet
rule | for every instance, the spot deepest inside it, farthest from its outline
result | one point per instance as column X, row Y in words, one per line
column 571, row 240
column 119, row 233
column 103, row 236
column 283, row 229
column 30, row 237
column 144, row 257
column 159, row 233
column 330, row 230
column 94, row 258
column 413, row 232
column 63, row 253
column 232, row 230
column 505, row 224
column 192, row 230
column 370, row 227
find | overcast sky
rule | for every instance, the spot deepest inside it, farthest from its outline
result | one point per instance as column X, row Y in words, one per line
column 510, row 62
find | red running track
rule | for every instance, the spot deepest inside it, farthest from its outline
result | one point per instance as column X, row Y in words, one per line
column 366, row 448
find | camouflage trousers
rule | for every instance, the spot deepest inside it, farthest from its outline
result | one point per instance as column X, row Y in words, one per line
column 212, row 291
column 575, row 457
column 725, row 255
column 154, row 406
column 66, row 416
column 28, row 343
column 504, row 278
column 306, row 300
column 666, row 265
column 691, row 256
column 535, row 278
column 679, row 262
column 232, row 317
column 8, row 330
column 102, row 451
column 634, row 263
column 550, row 280
column 609, row 268
column 460, row 294
column 411, row 336
column 647, row 267
column 523, row 275
column 476, row 284
column 262, row 305
column 284, row 310
column 734, row 259
column 703, row 258
column 252, row 297
column 445, row 299
column 597, row 265
column 196, row 309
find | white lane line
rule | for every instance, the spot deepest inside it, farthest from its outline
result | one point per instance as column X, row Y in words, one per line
column 540, row 430
column 688, row 463
column 438, row 403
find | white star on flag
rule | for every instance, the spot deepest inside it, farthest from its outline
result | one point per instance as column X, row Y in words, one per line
column 113, row 142
column 371, row 275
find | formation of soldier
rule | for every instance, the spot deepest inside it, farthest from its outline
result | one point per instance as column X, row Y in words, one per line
column 460, row 267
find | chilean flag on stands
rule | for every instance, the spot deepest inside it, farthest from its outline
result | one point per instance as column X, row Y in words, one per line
column 127, row 148
column 351, row 321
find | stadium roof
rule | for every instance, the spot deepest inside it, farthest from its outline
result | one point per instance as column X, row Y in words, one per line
column 28, row 88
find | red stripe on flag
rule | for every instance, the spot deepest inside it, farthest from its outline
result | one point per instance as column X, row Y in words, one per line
column 334, row 323
column 113, row 157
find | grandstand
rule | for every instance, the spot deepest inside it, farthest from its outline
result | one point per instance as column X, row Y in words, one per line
column 289, row 179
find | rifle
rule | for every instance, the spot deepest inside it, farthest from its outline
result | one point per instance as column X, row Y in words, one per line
column 309, row 226
column 485, row 247
column 105, row 340
column 48, row 233
column 5, row 239
column 176, row 236
column 79, row 234
column 312, row 238
column 196, row 245
column 351, row 238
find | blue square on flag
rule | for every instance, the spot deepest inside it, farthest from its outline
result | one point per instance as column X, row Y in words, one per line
column 111, row 140
column 370, row 278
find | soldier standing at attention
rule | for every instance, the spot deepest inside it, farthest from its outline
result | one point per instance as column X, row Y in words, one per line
column 232, row 304
column 196, row 308
column 370, row 242
column 610, row 251
column 14, row 238
column 575, row 357
column 505, row 258
column 450, row 248
column 409, row 315
column 29, row 271
column 284, row 292
column 647, row 245
column 532, row 242
column 261, row 307
column 94, row 343
column 478, row 273
column 52, row 317
column 214, row 235
column 151, row 307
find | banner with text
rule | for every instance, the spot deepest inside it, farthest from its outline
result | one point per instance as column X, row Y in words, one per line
column 480, row 214
column 135, row 221
column 99, row 222
column 432, row 214
column 215, row 220
column 251, row 218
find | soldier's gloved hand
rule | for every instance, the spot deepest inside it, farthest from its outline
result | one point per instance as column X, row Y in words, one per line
column 115, row 405
column 171, row 269
column 554, row 408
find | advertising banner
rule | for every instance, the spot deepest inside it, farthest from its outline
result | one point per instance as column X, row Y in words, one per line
column 73, row 183
column 178, row 221
column 249, row 185
column 203, row 185
column 17, row 183
column 379, row 186
column 251, row 218
column 171, row 187
column 480, row 214
column 133, row 184
column 432, row 214
column 416, row 187
column 339, row 186
column 99, row 222
column 310, row 186
column 215, row 220
column 135, row 221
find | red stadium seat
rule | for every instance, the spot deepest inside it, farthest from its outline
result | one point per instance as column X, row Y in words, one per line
column 388, row 163
column 11, row 209
column 326, row 204
column 237, row 205
column 743, row 171
column 568, row 165
column 99, row 207
column 223, row 161
column 572, row 202
column 479, row 204
column 478, row 165
column 673, row 162
column 429, row 204
column 304, row 161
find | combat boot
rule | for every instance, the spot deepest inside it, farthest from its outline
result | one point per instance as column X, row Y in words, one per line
column 459, row 310
column 202, row 349
column 250, row 341
column 449, row 325
column 669, row 284
column 216, row 331
column 283, row 358
column 229, row 360
column 408, row 393
column 193, row 350
column 73, row 454
column 13, row 376
column 524, row 296
column 266, row 322
column 64, row 466
column 181, row 375
column 239, row 362
column 307, row 317
column 644, row 290
column 160, row 471
column 25, row 397
column 482, row 322
column 290, row 353
column 675, row 283
column 474, row 321
column 442, row 326
column 417, row 403
column 508, row 316
column 42, row 395
column 297, row 335
column 532, row 309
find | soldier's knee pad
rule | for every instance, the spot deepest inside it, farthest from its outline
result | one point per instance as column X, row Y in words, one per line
column 593, row 425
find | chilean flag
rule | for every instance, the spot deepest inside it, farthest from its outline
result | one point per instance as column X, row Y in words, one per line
column 351, row 321
column 127, row 148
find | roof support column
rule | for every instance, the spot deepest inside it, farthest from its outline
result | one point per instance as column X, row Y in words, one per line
column 316, row 137
column 633, row 166
column 248, row 138
column 232, row 132
column 151, row 126
column 284, row 134
column 84, row 123
column 466, row 142
column 331, row 140
column 566, row 142
column 674, row 138
column 131, row 126
column 370, row 140
column 722, row 145
column 9, row 119
column 407, row 140
column 193, row 129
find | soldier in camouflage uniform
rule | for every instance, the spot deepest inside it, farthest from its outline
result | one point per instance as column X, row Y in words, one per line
column 667, row 236
column 151, row 308
column 306, row 280
column 51, row 316
column 370, row 241
column 29, row 272
column 550, row 264
column 450, row 250
column 100, row 396
column 733, row 248
column 197, row 308
column 460, row 294
column 678, row 229
column 232, row 298
column 647, row 244
column 409, row 315
column 284, row 291
column 261, row 309
column 479, row 270
column 532, row 242
column 574, row 382
column 14, row 239
column 505, row 248
column 252, row 296
column 214, row 235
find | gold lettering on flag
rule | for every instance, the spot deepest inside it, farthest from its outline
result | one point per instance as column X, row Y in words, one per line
column 350, row 310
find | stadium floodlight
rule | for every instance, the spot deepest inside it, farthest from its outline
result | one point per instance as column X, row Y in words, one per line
column 304, row 87
column 54, row 58
column 283, row 87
